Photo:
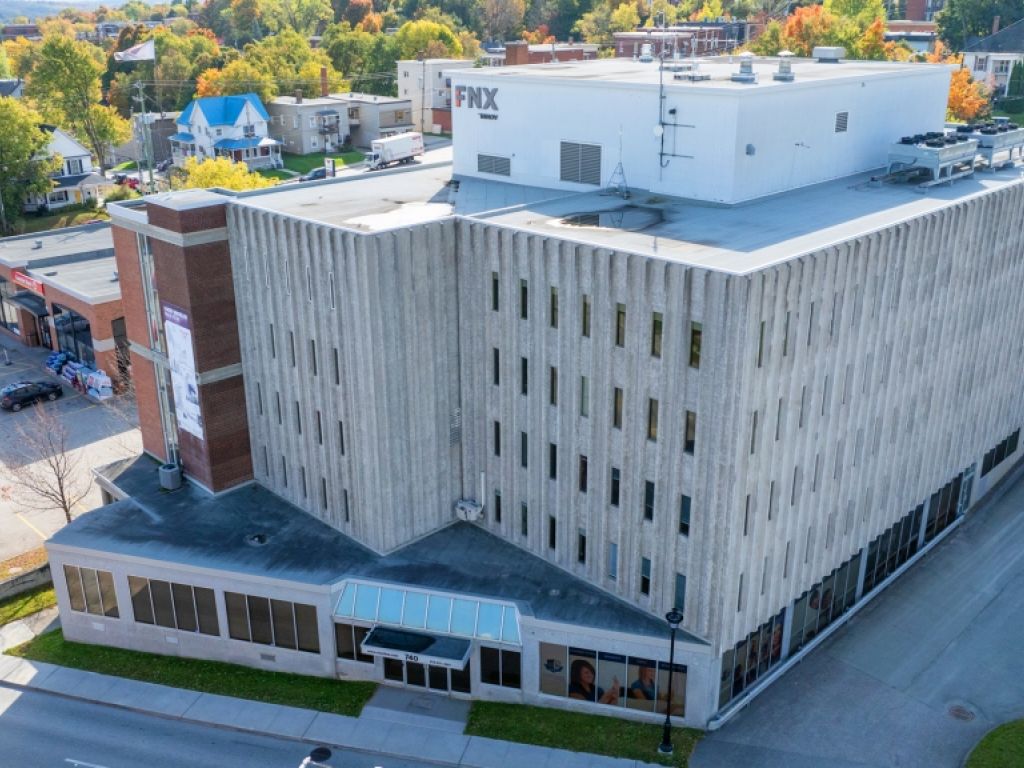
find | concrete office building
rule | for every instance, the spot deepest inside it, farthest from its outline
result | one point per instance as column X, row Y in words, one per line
column 479, row 437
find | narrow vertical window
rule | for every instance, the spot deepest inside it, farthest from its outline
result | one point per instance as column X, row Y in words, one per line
column 778, row 421
column 523, row 457
column 330, row 280
column 298, row 418
column 323, row 493
column 552, row 461
column 645, row 576
column 613, row 560
column 746, row 516
column 739, row 595
column 656, row 334
column 785, row 336
column 680, row 597
column 497, row 438
column 319, row 428
column 344, row 505
column 266, row 461
column 309, row 284
column 524, row 300
column 583, row 474
column 552, row 385
column 753, row 434
column 497, row 506
column 785, row 565
column 585, row 318
column 764, row 575
column 696, row 336
column 584, row 397
column 495, row 367
column 524, row 520
column 652, row 419
column 684, row 515
column 337, row 367
column 291, row 347
column 803, row 402
column 615, row 487
column 259, row 399
column 691, row 432
column 524, row 376
column 760, row 344
column 494, row 291
column 771, row 498
column 312, row 357
column 553, row 308
column 273, row 346
column 284, row 471
column 552, row 532
column 277, row 406
column 305, row 490
column 581, row 546
column 617, row 408
column 648, row 500
column 620, row 325
column 341, row 438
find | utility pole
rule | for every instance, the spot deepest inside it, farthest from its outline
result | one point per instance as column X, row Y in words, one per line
column 147, row 147
column 423, row 90
column 3, row 211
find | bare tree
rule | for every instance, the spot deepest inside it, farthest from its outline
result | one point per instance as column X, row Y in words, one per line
column 51, row 476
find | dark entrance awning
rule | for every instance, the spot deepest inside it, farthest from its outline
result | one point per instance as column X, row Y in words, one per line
column 418, row 647
column 34, row 304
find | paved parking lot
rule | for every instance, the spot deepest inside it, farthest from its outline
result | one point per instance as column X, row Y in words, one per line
column 917, row 677
column 98, row 434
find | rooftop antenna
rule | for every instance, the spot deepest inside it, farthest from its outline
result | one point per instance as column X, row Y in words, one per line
column 617, row 183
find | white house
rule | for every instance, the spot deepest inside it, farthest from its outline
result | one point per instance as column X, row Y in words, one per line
column 76, row 182
column 991, row 59
column 226, row 126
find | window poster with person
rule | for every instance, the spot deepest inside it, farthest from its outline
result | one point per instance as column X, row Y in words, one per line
column 641, row 691
column 678, row 688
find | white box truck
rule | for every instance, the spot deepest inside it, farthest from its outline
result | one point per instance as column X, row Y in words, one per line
column 401, row 148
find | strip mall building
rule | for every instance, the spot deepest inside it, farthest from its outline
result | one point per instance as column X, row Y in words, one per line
column 476, row 434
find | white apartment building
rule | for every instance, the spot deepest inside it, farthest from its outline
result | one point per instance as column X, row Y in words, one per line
column 428, row 88
column 495, row 431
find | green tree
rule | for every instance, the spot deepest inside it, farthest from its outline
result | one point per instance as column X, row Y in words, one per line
column 5, row 67
column 961, row 20
column 237, row 77
column 383, row 57
column 347, row 48
column 595, row 26
column 307, row 17
column 862, row 11
column 218, row 172
column 502, row 19
column 414, row 37
column 1015, row 88
column 23, row 168
column 66, row 85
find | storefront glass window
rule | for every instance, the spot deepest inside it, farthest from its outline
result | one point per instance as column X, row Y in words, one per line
column 611, row 679
column 74, row 335
column 8, row 311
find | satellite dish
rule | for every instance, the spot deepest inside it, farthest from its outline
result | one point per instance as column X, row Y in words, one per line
column 658, row 131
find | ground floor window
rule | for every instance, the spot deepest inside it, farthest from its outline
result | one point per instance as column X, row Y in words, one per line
column 8, row 311
column 499, row 666
column 751, row 658
column 825, row 602
column 349, row 641
column 91, row 591
column 74, row 334
column 416, row 675
column 996, row 456
column 893, row 548
column 175, row 606
column 272, row 622
column 611, row 679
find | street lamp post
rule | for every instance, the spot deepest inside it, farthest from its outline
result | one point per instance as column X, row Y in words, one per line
column 674, row 619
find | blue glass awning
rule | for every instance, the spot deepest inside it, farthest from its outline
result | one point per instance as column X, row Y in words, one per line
column 446, row 613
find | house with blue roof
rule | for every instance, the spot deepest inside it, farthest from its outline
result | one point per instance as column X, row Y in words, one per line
column 234, row 127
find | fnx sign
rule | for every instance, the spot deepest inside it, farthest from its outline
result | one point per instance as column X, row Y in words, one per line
column 476, row 97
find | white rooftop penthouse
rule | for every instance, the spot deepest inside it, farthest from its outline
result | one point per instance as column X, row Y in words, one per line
column 721, row 130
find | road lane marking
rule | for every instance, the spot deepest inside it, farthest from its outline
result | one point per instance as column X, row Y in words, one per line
column 80, row 763
column 39, row 533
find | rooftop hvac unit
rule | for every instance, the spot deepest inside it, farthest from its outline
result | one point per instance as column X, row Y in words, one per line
column 468, row 510
column 785, row 71
column 746, row 73
column 828, row 54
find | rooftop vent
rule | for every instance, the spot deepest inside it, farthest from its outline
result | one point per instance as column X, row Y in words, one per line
column 37, row 245
column 746, row 73
column 785, row 70
column 828, row 54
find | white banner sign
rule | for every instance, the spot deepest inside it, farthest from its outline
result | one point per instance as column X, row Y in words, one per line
column 183, row 370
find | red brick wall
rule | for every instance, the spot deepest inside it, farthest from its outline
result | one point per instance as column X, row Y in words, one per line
column 126, row 252
column 144, row 381
column 915, row 10
column 443, row 118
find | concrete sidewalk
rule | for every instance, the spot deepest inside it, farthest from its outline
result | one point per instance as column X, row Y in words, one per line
column 389, row 726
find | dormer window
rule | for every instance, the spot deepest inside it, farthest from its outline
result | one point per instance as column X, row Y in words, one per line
column 218, row 132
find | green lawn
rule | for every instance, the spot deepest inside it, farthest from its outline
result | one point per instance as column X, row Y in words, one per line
column 128, row 165
column 321, row 694
column 27, row 603
column 1017, row 118
column 306, row 163
column 579, row 733
column 1002, row 747
column 56, row 221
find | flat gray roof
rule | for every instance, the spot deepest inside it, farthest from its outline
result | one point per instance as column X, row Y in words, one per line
column 191, row 528
column 93, row 281
column 720, row 69
column 736, row 239
column 90, row 240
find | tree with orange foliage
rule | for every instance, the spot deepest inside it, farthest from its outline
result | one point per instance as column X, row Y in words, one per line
column 871, row 45
column 807, row 27
column 968, row 99
column 539, row 36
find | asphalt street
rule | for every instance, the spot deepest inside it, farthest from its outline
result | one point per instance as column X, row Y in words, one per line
column 39, row 730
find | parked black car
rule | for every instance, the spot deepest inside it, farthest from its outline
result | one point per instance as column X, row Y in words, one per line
column 315, row 174
column 16, row 396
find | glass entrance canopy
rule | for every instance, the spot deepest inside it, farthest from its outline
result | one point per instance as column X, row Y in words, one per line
column 448, row 613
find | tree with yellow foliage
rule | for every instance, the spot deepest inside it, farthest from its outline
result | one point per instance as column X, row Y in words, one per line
column 968, row 99
column 219, row 172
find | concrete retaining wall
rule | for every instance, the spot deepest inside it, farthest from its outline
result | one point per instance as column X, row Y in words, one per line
column 23, row 582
